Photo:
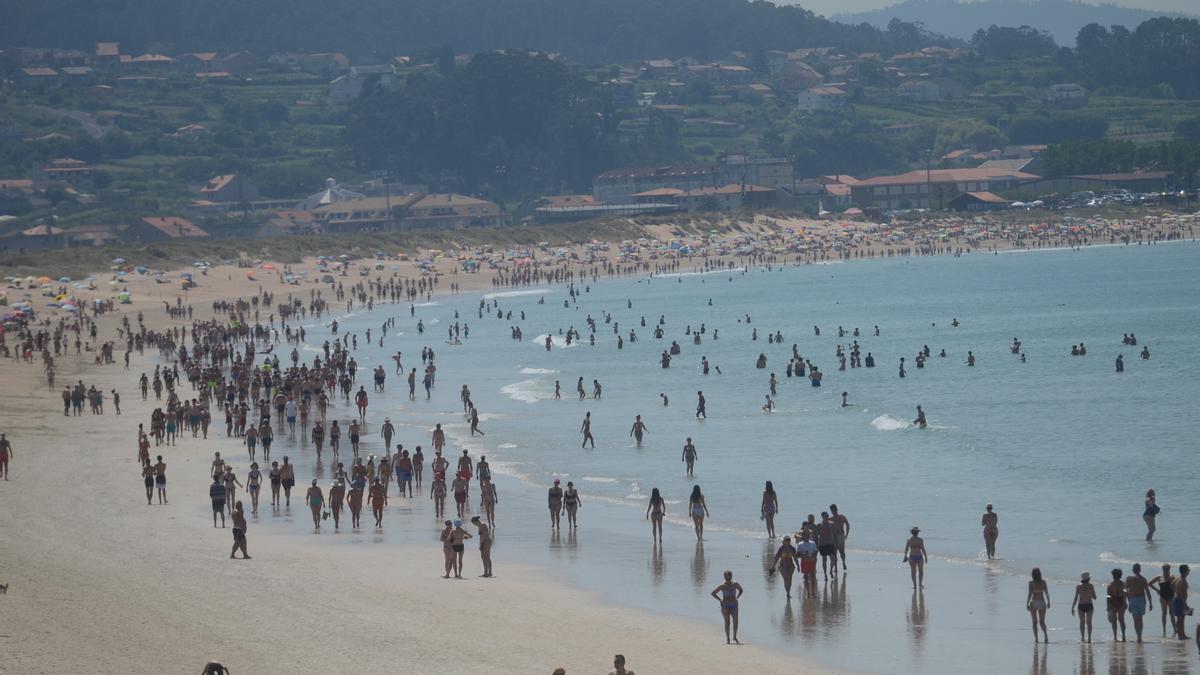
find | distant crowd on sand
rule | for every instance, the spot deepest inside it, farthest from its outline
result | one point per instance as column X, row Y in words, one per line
column 237, row 363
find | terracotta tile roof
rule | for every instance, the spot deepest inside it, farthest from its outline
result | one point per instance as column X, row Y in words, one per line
column 945, row 176
column 175, row 227
column 989, row 197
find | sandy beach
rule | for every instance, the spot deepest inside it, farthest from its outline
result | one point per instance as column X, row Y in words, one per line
column 101, row 582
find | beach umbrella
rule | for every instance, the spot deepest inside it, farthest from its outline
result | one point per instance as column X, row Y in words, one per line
column 268, row 266
column 118, row 261
column 64, row 280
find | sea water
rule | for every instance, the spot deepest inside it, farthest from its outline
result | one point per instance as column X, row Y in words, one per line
column 1062, row 445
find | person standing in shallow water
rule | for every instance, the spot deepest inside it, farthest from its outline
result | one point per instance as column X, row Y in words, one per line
column 638, row 430
column 554, row 499
column 689, row 456
column 728, row 595
column 991, row 531
column 586, row 430
column 770, row 506
column 1115, row 601
column 655, row 511
column 915, row 555
column 1085, row 601
column 1037, row 601
column 1150, row 514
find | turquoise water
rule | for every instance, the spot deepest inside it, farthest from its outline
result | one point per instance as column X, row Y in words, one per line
column 1063, row 446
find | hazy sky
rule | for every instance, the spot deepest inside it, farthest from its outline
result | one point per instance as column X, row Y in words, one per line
column 831, row 7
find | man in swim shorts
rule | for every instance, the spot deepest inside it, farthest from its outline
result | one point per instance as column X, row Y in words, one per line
column 1137, row 593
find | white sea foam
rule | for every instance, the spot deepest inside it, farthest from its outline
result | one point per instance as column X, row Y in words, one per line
column 887, row 422
column 508, row 446
column 538, row 371
column 526, row 391
column 599, row 479
column 699, row 274
column 428, row 304
column 558, row 341
column 517, row 294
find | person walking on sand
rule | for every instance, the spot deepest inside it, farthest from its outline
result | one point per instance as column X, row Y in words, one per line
column 785, row 562
column 554, row 500
column 638, row 430
column 439, row 438
column 1150, row 513
column 160, row 479
column 447, row 549
column 355, row 501
column 586, row 430
column 1037, row 601
column 728, row 595
column 287, row 476
column 689, row 456
column 315, row 499
column 485, row 546
column 239, row 531
column 915, row 555
column 806, row 550
column 337, row 496
column 253, row 485
column 148, row 481
column 698, row 510
column 827, row 544
column 1116, row 603
column 656, row 510
column 377, row 497
column 1138, row 598
column 1085, row 602
column 991, row 531
column 769, row 507
column 487, row 500
column 571, row 504
column 216, row 492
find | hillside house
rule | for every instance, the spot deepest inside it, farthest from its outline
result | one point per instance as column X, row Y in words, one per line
column 164, row 228
column 619, row 185
column 228, row 188
column 822, row 98
column 1067, row 95
column 932, row 189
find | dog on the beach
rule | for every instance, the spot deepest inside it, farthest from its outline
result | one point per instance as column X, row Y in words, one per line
column 3, row 589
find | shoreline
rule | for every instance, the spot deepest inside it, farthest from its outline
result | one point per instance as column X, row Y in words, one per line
column 684, row 631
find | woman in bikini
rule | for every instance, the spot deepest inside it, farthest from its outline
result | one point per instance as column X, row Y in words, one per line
column 655, row 510
column 1037, row 601
column 487, row 500
column 438, row 495
column 727, row 594
column 1164, row 584
column 991, row 531
column 253, row 485
column 1085, row 599
column 571, row 503
column 148, row 480
column 274, row 475
column 770, row 506
column 785, row 562
column 1150, row 514
column 1115, row 601
column 699, row 510
column 915, row 556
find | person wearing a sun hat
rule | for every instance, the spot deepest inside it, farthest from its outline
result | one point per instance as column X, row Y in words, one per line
column 915, row 556
column 1085, row 599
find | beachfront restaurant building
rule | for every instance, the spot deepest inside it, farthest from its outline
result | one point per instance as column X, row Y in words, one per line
column 933, row 188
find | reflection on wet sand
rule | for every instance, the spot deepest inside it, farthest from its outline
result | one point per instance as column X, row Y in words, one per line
column 917, row 617
column 699, row 567
column 658, row 566
column 1039, row 666
column 1086, row 664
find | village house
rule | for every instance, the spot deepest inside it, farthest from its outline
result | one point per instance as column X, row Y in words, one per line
column 37, row 77
column 228, row 188
column 419, row 210
column 979, row 201
column 619, row 185
column 164, row 228
column 1067, row 95
column 932, row 188
column 821, row 98
column 108, row 53
column 325, row 63
column 723, row 198
column 65, row 170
